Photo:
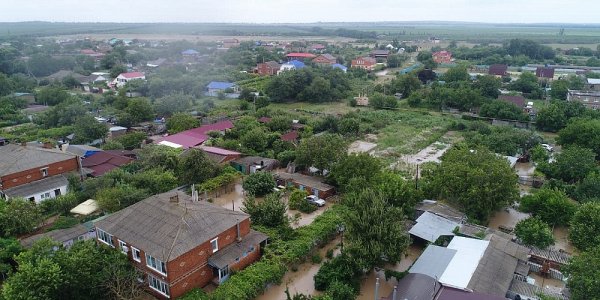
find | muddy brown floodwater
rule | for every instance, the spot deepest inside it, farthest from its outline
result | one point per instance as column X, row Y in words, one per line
column 561, row 240
column 300, row 281
column 508, row 218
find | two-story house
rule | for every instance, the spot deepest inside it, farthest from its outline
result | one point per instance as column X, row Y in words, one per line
column 325, row 59
column 442, row 57
column 267, row 68
column 35, row 173
column 124, row 78
column 367, row 63
column 179, row 244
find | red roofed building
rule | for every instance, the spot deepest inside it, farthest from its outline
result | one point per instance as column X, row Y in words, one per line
column 325, row 59
column 220, row 155
column 442, row 57
column 264, row 120
column 267, row 68
column 300, row 56
column 124, row 78
column 543, row 72
column 367, row 63
column 517, row 100
column 194, row 137
column 291, row 136
column 101, row 162
column 498, row 70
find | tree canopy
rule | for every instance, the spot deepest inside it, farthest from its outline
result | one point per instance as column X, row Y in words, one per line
column 584, row 272
column 259, row 183
column 534, row 232
column 584, row 232
column 549, row 205
column 321, row 151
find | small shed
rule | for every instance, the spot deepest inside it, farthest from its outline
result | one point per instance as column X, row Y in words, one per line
column 431, row 226
column 86, row 208
column 311, row 184
column 253, row 164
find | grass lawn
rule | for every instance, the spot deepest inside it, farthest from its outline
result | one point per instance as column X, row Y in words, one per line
column 341, row 107
column 410, row 132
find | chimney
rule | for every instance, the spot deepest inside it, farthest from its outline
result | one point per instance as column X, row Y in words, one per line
column 394, row 295
column 174, row 199
column 239, row 237
column 377, row 288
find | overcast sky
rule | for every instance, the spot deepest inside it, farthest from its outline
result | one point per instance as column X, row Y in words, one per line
column 301, row 11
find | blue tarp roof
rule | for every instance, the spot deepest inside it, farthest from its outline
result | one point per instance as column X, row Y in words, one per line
column 297, row 64
column 220, row 85
column 189, row 52
column 339, row 66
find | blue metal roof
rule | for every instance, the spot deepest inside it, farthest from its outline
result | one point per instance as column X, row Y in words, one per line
column 339, row 66
column 189, row 52
column 220, row 85
column 297, row 64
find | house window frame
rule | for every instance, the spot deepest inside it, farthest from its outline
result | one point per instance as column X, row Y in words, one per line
column 150, row 260
column 139, row 256
column 44, row 172
column 215, row 247
column 121, row 245
column 101, row 234
column 161, row 285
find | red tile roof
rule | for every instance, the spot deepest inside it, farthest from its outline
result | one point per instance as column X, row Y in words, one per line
column 196, row 136
column 300, row 54
column 290, row 136
column 132, row 75
column 102, row 162
column 217, row 150
column 264, row 120
column 499, row 70
column 516, row 100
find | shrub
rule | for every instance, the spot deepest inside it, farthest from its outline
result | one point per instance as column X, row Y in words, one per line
column 329, row 254
column 340, row 269
column 316, row 259
column 259, row 183
column 64, row 222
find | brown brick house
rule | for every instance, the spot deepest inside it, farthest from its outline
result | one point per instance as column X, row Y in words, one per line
column 367, row 63
column 325, row 59
column 180, row 244
column 267, row 68
column 34, row 173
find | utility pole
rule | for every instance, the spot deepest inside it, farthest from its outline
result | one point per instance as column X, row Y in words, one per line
column 417, row 178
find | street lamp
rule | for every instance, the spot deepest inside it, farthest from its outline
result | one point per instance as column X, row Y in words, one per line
column 341, row 228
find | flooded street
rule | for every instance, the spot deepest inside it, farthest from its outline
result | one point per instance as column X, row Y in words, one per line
column 300, row 281
column 507, row 218
column 561, row 240
column 231, row 200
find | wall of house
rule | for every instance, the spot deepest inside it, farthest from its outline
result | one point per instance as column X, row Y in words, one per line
column 52, row 194
column 246, row 261
column 24, row 177
column 190, row 270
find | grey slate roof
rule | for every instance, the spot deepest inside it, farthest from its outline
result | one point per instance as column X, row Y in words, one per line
column 430, row 227
column 441, row 209
column 305, row 180
column 228, row 255
column 59, row 235
column 530, row 290
column 255, row 160
column 167, row 230
column 433, row 262
column 494, row 272
column 17, row 158
column 37, row 186
column 415, row 287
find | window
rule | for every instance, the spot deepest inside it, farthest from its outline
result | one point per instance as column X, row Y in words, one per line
column 245, row 254
column 123, row 246
column 158, row 285
column 45, row 196
column 105, row 237
column 215, row 245
column 135, row 253
column 44, row 172
column 156, row 264
column 252, row 249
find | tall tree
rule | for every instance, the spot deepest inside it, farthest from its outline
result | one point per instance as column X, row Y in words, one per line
column 196, row 167
column 18, row 216
column 583, row 133
column 476, row 180
column 259, row 183
column 270, row 212
column 375, row 229
column 584, row 272
column 585, row 227
column 489, row 86
column 87, row 129
column 550, row 205
column 571, row 165
column 355, row 168
column 534, row 232
column 321, row 151
column 180, row 122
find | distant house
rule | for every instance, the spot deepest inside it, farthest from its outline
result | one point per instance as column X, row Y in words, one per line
column 380, row 54
column 498, row 70
column 35, row 173
column 340, row 66
column 178, row 243
column 366, row 63
column 442, row 57
column 124, row 78
column 291, row 65
column 116, row 131
column 362, row 100
column 220, row 155
column 264, row 120
column 517, row 100
column 29, row 97
column 589, row 99
column 268, row 68
column 194, row 137
column 300, row 56
column 253, row 164
column 291, row 136
column 593, row 84
column 311, row 184
column 100, row 163
column 325, row 59
column 156, row 63
column 230, row 43
column 215, row 87
column 544, row 72
column 190, row 53
column 317, row 47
